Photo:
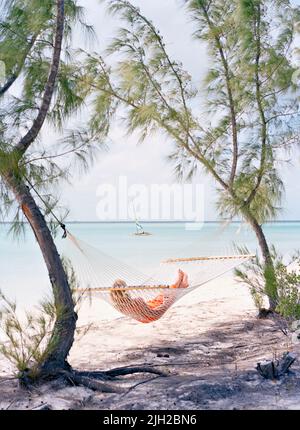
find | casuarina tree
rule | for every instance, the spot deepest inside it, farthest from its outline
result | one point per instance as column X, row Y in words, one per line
column 43, row 84
column 238, row 125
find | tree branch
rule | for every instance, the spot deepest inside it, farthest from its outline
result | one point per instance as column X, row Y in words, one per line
column 11, row 80
column 112, row 91
column 165, row 102
column 259, row 100
column 279, row 115
column 197, row 156
column 171, row 64
column 52, row 156
column 32, row 134
column 233, row 114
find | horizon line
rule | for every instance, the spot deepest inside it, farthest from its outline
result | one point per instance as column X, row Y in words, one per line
column 158, row 221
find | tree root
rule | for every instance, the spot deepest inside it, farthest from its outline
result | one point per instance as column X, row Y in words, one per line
column 95, row 384
column 102, row 381
column 264, row 313
column 121, row 371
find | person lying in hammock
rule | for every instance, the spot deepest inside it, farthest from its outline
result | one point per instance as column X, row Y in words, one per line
column 138, row 308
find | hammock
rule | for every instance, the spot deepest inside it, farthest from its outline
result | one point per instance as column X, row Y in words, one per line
column 134, row 294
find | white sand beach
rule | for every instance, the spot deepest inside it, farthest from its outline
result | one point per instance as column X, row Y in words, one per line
column 147, row 150
column 112, row 335
column 208, row 345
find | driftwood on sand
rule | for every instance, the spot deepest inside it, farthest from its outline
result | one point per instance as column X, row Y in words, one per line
column 276, row 369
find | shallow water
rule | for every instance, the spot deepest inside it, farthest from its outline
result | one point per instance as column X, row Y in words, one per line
column 23, row 275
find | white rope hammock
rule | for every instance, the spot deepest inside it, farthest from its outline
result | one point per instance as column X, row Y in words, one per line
column 143, row 297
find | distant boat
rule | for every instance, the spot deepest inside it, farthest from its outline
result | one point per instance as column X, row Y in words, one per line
column 140, row 229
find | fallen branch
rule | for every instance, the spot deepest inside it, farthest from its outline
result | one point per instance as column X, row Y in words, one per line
column 274, row 370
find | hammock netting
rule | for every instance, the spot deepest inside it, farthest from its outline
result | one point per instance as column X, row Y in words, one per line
column 135, row 294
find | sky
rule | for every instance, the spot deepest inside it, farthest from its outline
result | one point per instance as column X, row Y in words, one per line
column 147, row 163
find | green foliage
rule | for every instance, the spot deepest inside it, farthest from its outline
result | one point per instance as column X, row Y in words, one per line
column 271, row 282
column 251, row 106
column 284, row 281
column 249, row 117
column 37, row 50
column 26, row 340
column 288, row 292
column 153, row 87
column 27, row 31
column 253, row 275
column 237, row 135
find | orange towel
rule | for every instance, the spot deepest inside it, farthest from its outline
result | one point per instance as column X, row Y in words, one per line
column 158, row 300
column 143, row 311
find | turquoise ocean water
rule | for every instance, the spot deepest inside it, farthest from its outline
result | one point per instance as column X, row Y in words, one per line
column 23, row 275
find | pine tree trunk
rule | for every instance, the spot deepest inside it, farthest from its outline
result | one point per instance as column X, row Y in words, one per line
column 62, row 336
column 270, row 278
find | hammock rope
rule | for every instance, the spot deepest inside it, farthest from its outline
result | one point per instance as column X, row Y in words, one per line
column 142, row 297
column 134, row 294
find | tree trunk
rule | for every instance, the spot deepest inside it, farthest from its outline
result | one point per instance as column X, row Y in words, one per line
column 269, row 272
column 62, row 336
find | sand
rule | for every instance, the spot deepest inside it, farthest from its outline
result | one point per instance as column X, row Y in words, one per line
column 208, row 345
column 111, row 340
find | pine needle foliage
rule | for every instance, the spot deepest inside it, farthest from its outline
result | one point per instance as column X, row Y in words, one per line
column 27, row 30
column 27, row 339
column 287, row 279
column 248, row 118
column 251, row 105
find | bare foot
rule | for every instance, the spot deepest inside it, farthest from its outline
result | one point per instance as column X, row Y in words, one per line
column 182, row 280
column 179, row 279
column 185, row 281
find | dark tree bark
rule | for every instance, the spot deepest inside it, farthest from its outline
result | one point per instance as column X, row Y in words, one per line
column 62, row 337
column 270, row 277
column 276, row 369
column 33, row 132
column 63, row 333
column 229, row 89
column 54, row 362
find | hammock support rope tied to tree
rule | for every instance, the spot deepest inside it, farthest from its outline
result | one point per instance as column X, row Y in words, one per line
column 133, row 293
